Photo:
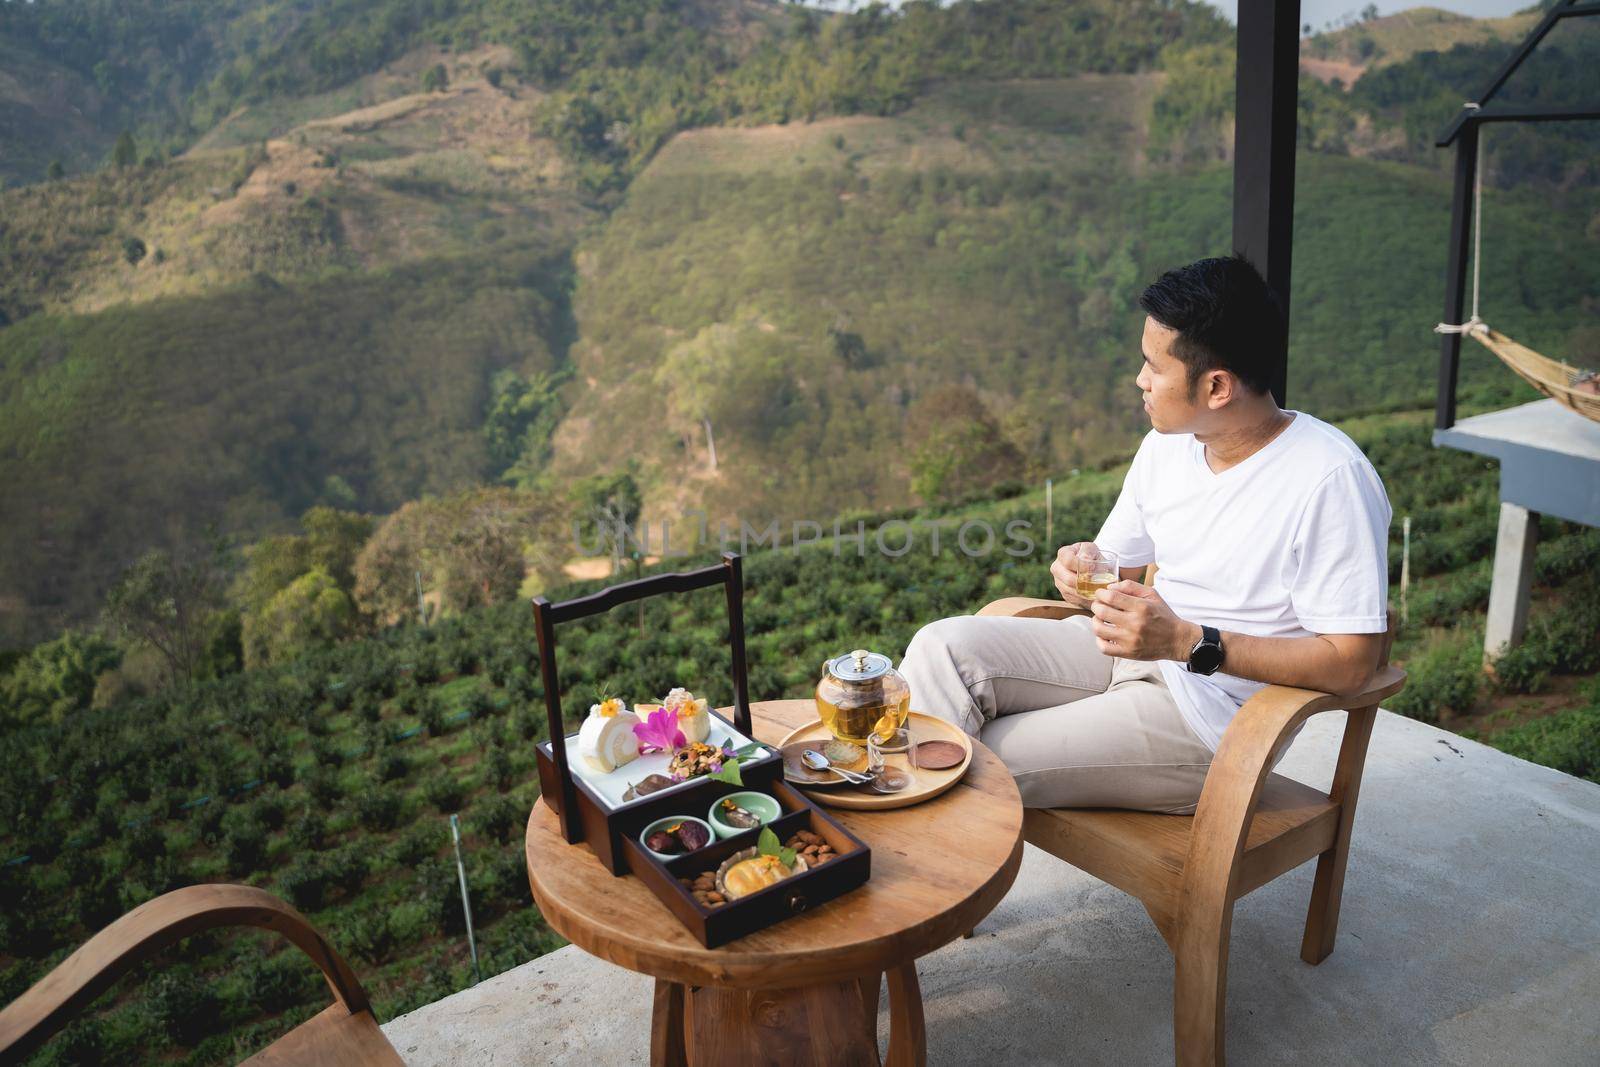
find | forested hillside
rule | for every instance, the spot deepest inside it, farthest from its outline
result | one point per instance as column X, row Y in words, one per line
column 871, row 259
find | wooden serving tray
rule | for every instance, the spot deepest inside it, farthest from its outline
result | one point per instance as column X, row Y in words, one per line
column 925, row 784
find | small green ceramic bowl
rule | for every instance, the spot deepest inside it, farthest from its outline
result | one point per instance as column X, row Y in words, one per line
column 662, row 824
column 760, row 805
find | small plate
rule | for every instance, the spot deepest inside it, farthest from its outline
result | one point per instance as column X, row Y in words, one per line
column 796, row 772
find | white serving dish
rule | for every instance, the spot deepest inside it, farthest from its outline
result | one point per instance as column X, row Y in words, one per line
column 610, row 785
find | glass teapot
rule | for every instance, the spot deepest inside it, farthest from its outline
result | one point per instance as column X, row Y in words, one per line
column 861, row 694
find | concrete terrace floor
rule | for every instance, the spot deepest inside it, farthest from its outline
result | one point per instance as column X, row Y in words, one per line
column 1470, row 935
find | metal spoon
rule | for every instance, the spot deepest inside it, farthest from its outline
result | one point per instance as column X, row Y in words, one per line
column 818, row 762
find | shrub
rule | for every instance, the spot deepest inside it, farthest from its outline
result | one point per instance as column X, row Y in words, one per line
column 445, row 791
column 279, row 982
column 1447, row 675
column 245, row 848
column 1568, row 741
column 418, row 842
column 392, row 765
column 183, row 1005
column 308, row 831
column 431, row 711
column 269, row 811
column 305, row 883
column 324, row 786
column 498, row 818
column 500, row 768
column 1524, row 668
column 378, row 807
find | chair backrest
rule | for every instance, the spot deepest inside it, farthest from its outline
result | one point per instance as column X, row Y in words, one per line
column 345, row 1033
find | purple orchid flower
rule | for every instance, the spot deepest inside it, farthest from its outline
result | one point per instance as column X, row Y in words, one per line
column 660, row 733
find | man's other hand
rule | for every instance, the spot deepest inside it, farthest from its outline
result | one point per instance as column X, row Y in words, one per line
column 1064, row 572
column 1131, row 621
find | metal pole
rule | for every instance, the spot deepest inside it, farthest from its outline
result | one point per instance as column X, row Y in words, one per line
column 1049, row 518
column 1265, row 109
column 466, row 902
column 1455, row 294
column 422, row 606
column 1405, row 567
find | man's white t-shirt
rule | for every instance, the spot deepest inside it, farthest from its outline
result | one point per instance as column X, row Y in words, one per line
column 1291, row 542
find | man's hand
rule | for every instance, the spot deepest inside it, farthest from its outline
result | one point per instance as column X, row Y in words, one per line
column 1131, row 621
column 1064, row 572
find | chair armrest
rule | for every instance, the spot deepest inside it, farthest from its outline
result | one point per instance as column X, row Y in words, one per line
column 32, row 1018
column 1030, row 607
column 1250, row 745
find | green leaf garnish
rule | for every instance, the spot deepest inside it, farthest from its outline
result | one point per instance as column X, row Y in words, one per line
column 786, row 857
column 767, row 844
column 748, row 750
column 729, row 773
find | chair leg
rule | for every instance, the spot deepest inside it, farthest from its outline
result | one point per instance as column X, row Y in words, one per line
column 1322, row 918
column 1200, row 994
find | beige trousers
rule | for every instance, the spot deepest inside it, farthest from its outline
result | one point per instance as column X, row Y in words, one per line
column 1076, row 728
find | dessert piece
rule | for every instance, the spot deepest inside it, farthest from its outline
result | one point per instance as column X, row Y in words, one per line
column 694, row 713
column 732, row 814
column 697, row 758
column 678, row 838
column 743, row 877
column 606, row 740
column 645, row 786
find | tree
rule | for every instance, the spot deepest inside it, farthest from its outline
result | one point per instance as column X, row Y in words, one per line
column 133, row 249
column 166, row 599
column 962, row 449
column 435, row 79
column 310, row 611
column 611, row 503
column 55, row 172
column 522, row 415
column 56, row 678
column 275, row 621
column 472, row 548
column 125, row 153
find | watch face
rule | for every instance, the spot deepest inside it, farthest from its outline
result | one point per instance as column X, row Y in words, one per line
column 1205, row 659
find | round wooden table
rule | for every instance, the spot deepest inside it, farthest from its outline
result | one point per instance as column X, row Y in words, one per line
column 804, row 991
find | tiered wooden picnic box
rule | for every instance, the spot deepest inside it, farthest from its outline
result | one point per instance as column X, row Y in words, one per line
column 611, row 829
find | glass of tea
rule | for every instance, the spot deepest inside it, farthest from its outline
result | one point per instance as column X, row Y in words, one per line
column 1097, row 568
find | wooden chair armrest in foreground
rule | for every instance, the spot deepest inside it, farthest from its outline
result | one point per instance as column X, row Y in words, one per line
column 1250, row 827
column 345, row 1033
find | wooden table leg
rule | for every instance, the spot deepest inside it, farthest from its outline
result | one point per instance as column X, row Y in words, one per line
column 908, row 1040
column 823, row 1025
column 666, row 1026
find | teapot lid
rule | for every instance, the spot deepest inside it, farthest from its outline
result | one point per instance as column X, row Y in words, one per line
column 859, row 666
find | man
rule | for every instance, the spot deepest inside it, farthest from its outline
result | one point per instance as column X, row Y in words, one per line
column 1270, row 532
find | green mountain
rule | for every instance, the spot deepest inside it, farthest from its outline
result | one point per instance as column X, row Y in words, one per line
column 871, row 258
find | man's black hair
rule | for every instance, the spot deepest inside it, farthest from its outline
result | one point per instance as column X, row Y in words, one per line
column 1227, row 318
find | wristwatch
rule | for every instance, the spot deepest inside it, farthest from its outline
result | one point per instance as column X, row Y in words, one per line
column 1206, row 655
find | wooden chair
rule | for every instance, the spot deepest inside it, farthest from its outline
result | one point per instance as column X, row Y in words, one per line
column 344, row 1033
column 1250, row 827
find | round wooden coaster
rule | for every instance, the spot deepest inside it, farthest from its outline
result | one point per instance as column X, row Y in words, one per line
column 937, row 755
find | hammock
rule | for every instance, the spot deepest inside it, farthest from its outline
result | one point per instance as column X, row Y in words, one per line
column 1575, row 389
column 1572, row 388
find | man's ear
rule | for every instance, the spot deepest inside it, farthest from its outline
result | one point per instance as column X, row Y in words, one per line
column 1219, row 387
